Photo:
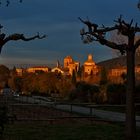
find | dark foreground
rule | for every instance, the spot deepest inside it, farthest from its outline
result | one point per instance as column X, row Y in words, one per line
column 64, row 130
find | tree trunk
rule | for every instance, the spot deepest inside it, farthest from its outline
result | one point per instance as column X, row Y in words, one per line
column 130, row 103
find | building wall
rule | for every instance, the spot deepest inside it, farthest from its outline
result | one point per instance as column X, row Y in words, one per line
column 116, row 73
column 71, row 65
column 90, row 67
column 19, row 71
column 34, row 69
column 67, row 61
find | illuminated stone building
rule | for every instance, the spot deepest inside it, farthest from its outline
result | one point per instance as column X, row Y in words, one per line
column 90, row 68
column 19, row 71
column 37, row 69
column 59, row 69
column 71, row 65
column 117, row 71
column 115, row 74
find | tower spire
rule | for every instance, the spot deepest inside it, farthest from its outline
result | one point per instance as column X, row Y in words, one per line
column 58, row 64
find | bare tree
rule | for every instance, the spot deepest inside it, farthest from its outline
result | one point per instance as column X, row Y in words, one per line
column 118, row 38
column 16, row 36
column 96, row 33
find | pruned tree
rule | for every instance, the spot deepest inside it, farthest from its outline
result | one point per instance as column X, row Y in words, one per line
column 99, row 34
column 16, row 36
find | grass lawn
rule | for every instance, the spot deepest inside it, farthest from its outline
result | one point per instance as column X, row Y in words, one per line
column 67, row 131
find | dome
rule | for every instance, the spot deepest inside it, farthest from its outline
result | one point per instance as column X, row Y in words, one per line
column 68, row 57
column 90, row 60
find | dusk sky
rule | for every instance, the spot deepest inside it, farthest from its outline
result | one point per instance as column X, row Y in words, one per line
column 59, row 20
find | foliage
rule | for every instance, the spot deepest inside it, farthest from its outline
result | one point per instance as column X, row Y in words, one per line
column 116, row 93
column 124, row 76
column 103, row 79
column 4, row 76
column 41, row 83
column 73, row 80
column 80, row 73
column 84, row 92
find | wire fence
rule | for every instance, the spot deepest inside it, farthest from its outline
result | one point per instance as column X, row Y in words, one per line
column 23, row 110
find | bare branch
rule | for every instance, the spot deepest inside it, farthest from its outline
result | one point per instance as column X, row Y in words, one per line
column 1, row 26
column 131, row 22
column 95, row 33
column 94, row 27
column 91, row 26
column 103, row 41
column 128, row 31
column 137, row 29
column 15, row 37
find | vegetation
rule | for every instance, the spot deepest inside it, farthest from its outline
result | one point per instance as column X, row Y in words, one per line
column 73, row 80
column 103, row 79
column 116, row 94
column 96, row 33
column 48, row 84
column 84, row 92
column 4, row 75
column 68, row 131
column 41, row 83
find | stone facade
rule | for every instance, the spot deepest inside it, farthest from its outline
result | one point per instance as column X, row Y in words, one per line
column 71, row 65
column 36, row 69
column 90, row 68
column 19, row 71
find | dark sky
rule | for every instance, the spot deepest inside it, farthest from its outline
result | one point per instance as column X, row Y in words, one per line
column 59, row 20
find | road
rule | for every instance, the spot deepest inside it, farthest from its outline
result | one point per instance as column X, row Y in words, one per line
column 108, row 115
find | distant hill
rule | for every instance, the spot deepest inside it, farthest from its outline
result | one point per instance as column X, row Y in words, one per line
column 117, row 62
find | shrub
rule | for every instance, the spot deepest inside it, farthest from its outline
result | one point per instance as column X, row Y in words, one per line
column 116, row 93
column 84, row 92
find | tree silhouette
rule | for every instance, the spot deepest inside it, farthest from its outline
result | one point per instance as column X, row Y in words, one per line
column 73, row 79
column 14, row 37
column 138, row 4
column 99, row 34
column 103, row 78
